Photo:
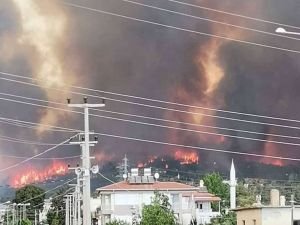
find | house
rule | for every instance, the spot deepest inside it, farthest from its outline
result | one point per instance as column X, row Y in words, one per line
column 267, row 215
column 277, row 213
column 125, row 200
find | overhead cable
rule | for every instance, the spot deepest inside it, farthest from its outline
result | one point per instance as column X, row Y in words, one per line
column 151, row 124
column 182, row 29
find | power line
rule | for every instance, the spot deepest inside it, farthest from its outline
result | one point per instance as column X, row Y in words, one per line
column 37, row 196
column 106, row 178
column 34, row 156
column 32, row 127
column 210, row 20
column 143, row 98
column 162, row 108
column 163, row 120
column 234, row 14
column 49, row 127
column 155, row 125
column 41, row 158
column 182, row 29
column 199, row 148
column 24, row 141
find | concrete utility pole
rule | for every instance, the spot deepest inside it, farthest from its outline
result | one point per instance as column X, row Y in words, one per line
column 85, row 144
column 292, row 209
column 35, row 217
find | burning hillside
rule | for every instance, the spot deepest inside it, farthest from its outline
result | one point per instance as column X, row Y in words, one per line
column 58, row 45
column 33, row 174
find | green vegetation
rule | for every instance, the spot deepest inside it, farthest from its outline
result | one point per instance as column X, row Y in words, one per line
column 245, row 197
column 159, row 212
column 215, row 185
column 56, row 216
column 33, row 195
column 226, row 219
column 117, row 222
column 26, row 222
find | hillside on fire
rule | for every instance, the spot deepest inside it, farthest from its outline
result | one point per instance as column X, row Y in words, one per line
column 149, row 95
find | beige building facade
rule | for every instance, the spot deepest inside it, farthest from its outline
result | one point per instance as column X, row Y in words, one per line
column 268, row 215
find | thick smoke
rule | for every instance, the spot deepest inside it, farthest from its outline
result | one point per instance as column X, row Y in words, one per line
column 119, row 55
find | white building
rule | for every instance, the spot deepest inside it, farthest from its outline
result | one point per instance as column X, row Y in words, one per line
column 125, row 200
column 43, row 213
column 268, row 215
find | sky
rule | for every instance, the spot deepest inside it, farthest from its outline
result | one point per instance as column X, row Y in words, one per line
column 60, row 44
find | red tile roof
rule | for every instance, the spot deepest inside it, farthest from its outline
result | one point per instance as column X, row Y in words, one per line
column 202, row 196
column 162, row 186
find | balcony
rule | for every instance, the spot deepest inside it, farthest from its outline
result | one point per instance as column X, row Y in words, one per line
column 204, row 217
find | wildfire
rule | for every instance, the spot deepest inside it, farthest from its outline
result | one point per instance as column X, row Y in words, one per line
column 186, row 157
column 33, row 174
column 43, row 26
column 271, row 149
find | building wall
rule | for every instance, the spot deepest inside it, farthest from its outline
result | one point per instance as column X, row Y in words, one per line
column 267, row 216
column 122, row 204
column 249, row 217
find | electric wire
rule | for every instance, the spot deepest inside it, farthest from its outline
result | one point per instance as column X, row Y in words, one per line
column 36, row 155
column 146, row 99
column 56, row 196
column 158, row 119
column 15, row 121
column 234, row 14
column 182, row 29
column 151, row 124
column 41, row 158
column 106, row 178
column 199, row 148
column 24, row 141
column 31, row 126
column 210, row 20
column 171, row 109
column 48, row 191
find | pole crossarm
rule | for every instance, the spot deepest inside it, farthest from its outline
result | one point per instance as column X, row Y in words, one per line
column 84, row 172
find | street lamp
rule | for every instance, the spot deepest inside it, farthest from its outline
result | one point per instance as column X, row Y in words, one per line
column 282, row 30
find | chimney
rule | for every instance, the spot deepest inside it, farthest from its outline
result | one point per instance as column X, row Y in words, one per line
column 274, row 197
column 282, row 200
column 201, row 183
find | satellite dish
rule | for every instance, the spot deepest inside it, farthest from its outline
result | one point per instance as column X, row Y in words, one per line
column 124, row 176
column 156, row 176
column 95, row 169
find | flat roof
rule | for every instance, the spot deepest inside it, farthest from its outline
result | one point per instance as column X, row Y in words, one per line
column 264, row 207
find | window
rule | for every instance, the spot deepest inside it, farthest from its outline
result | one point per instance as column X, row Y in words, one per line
column 254, row 222
column 244, row 222
column 200, row 206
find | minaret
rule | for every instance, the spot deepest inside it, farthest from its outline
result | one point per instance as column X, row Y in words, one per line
column 232, row 184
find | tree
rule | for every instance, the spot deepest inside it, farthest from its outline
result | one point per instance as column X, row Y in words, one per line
column 33, row 195
column 159, row 212
column 245, row 197
column 227, row 219
column 117, row 222
column 26, row 222
column 56, row 216
column 215, row 185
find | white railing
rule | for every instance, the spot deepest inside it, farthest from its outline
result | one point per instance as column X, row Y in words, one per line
column 204, row 217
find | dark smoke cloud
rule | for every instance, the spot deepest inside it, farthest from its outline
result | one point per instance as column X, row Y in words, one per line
column 119, row 55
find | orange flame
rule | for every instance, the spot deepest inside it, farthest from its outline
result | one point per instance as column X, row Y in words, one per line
column 33, row 174
column 186, row 157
